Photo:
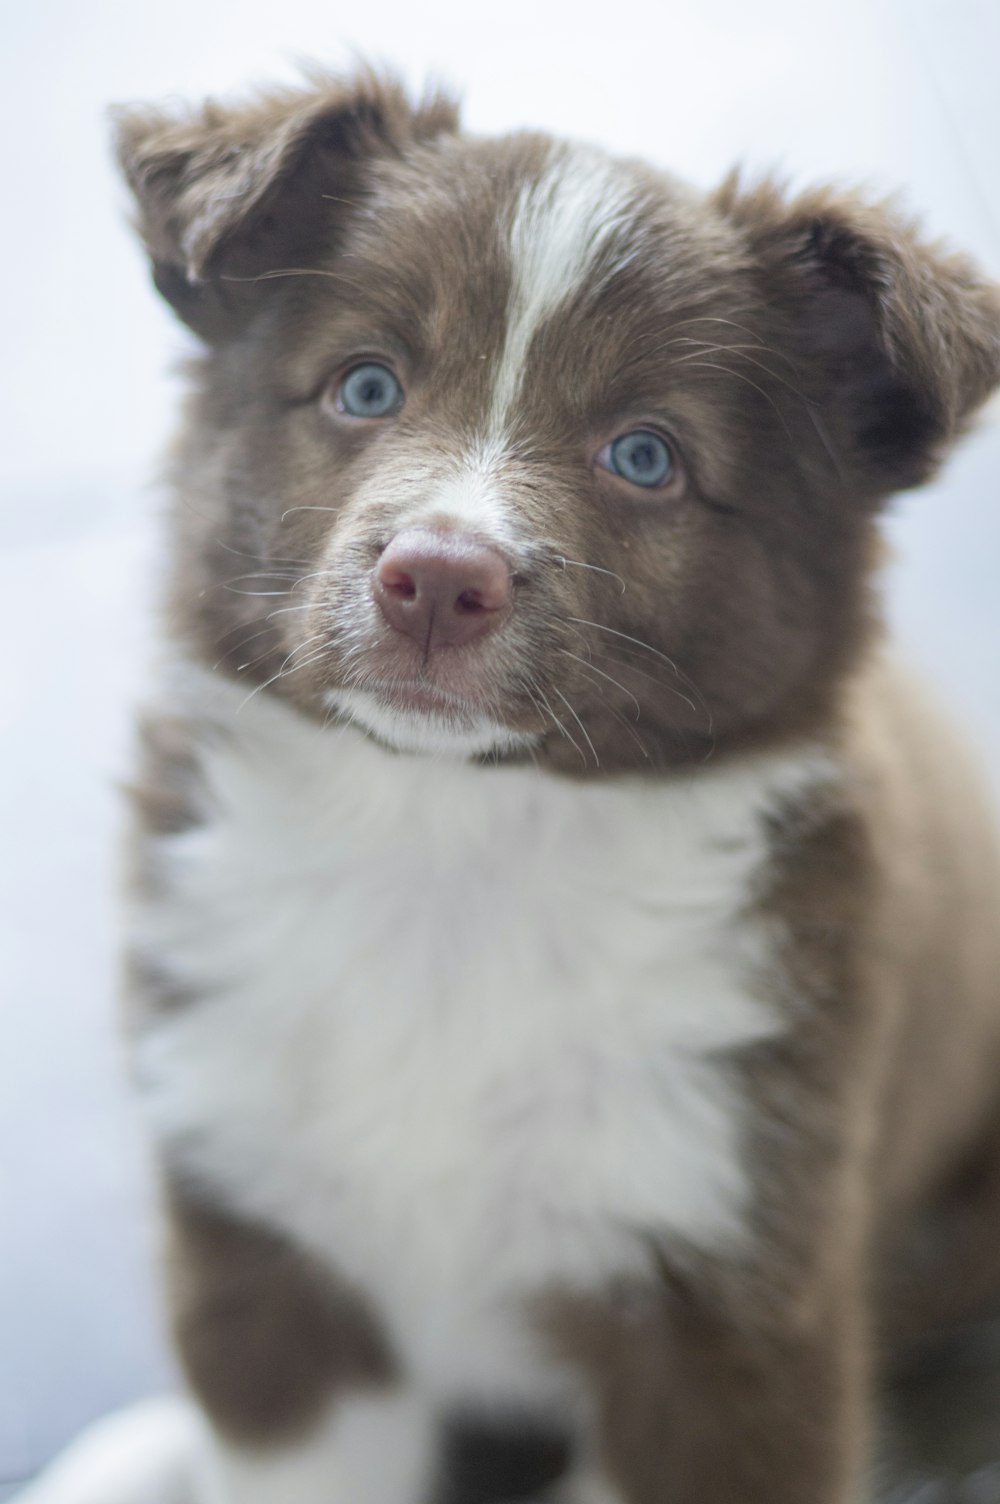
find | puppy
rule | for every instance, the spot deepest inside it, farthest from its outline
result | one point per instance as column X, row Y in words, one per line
column 565, row 970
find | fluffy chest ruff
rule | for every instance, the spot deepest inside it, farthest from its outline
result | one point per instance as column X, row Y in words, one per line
column 464, row 1032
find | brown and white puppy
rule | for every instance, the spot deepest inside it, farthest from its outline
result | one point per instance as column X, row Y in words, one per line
column 565, row 958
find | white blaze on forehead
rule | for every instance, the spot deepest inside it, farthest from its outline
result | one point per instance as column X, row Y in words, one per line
column 560, row 232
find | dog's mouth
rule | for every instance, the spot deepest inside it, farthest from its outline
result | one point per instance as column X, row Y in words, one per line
column 458, row 695
column 415, row 716
column 422, row 698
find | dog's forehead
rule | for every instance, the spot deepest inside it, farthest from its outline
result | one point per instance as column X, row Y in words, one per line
column 549, row 218
column 495, row 258
column 566, row 235
column 514, row 192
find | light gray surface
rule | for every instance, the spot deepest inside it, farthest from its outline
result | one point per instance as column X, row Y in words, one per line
column 77, row 1334
column 898, row 93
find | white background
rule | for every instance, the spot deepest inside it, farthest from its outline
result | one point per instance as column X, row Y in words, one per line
column 888, row 94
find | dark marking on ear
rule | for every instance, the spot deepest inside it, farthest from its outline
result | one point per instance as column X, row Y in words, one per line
column 226, row 193
column 897, row 338
column 499, row 1460
column 893, row 421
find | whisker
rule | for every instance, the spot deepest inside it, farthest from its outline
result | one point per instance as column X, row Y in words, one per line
column 576, row 657
column 242, row 667
column 261, row 625
column 256, row 621
column 658, row 681
column 290, row 510
column 292, row 271
column 238, row 647
column 300, row 646
column 654, row 678
column 258, row 558
column 261, row 593
column 707, row 318
column 648, row 648
column 323, row 652
column 708, row 365
column 284, row 671
column 572, row 741
column 314, row 574
column 620, row 718
column 825, row 439
column 579, row 564
column 758, row 341
column 284, row 610
column 246, row 641
column 262, row 574
column 525, row 685
column 743, row 352
column 569, row 707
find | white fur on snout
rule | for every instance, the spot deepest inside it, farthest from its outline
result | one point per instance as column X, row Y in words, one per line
column 471, row 496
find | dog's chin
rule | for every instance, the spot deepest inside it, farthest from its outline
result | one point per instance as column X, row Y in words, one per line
column 423, row 722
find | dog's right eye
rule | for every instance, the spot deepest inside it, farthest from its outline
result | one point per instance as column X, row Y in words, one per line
column 370, row 390
column 640, row 457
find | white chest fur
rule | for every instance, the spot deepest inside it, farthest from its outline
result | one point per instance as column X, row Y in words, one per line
column 461, row 1029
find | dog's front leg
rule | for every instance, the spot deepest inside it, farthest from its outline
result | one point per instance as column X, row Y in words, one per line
column 292, row 1374
column 699, row 1404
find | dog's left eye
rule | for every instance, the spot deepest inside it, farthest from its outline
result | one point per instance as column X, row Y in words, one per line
column 641, row 457
column 369, row 391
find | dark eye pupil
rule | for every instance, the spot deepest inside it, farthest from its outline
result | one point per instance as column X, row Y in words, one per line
column 370, row 391
column 642, row 458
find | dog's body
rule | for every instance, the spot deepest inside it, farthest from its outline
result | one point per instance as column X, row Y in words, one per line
column 521, row 1090
column 565, row 959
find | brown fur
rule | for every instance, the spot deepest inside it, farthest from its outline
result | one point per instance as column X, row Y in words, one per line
column 868, row 1237
column 803, row 319
column 265, row 1335
column 812, row 358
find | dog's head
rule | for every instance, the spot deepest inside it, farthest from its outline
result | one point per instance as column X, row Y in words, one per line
column 506, row 444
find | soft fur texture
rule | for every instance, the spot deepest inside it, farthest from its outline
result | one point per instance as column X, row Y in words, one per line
column 572, row 1046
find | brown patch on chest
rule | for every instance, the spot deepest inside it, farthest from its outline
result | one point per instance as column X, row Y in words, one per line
column 267, row 1338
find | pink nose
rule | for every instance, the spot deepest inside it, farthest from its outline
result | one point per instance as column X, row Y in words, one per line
column 442, row 589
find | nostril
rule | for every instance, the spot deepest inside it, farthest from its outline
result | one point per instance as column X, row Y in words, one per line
column 399, row 582
column 442, row 589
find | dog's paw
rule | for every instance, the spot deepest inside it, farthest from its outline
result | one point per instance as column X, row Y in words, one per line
column 148, row 1454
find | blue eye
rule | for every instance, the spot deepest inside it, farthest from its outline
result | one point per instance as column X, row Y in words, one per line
column 370, row 391
column 641, row 457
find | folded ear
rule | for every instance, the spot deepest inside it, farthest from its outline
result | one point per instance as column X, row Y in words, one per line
column 897, row 339
column 229, row 193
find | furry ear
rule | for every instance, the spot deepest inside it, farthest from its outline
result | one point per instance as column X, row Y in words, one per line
column 233, row 192
column 898, row 340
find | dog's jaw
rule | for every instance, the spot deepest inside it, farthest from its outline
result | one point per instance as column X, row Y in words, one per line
column 448, row 731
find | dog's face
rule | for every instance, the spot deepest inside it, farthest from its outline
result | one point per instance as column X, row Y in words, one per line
column 507, row 447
